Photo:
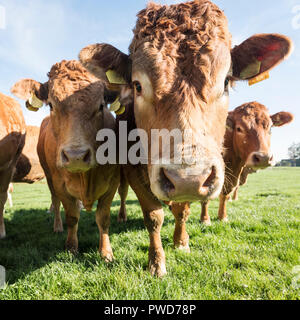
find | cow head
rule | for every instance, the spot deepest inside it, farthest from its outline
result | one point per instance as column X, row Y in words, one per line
column 77, row 102
column 178, row 74
column 249, row 127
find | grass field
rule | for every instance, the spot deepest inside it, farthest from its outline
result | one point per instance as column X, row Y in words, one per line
column 250, row 258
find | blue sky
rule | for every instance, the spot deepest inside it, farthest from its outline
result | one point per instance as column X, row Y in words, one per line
column 40, row 33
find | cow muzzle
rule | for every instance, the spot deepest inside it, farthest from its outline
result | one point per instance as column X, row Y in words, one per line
column 170, row 183
column 260, row 160
column 77, row 160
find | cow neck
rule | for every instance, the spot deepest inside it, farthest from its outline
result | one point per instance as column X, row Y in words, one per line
column 233, row 162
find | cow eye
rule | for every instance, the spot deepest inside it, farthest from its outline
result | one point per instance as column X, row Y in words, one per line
column 226, row 85
column 138, row 87
column 50, row 106
column 239, row 129
column 101, row 107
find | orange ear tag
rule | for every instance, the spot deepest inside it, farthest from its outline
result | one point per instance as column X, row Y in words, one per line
column 261, row 77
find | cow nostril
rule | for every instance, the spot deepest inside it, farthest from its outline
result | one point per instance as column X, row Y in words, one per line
column 87, row 157
column 212, row 177
column 256, row 159
column 166, row 183
column 64, row 157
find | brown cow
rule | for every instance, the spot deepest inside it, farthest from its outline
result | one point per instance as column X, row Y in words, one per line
column 247, row 147
column 67, row 146
column 12, row 140
column 178, row 73
column 28, row 168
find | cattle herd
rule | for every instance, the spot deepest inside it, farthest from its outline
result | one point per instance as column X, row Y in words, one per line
column 177, row 75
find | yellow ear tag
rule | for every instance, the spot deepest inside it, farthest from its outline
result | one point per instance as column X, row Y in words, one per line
column 120, row 111
column 31, row 108
column 251, row 70
column 35, row 102
column 261, row 77
column 115, row 106
column 114, row 78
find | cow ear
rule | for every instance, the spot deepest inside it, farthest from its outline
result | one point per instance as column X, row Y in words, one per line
column 25, row 89
column 281, row 119
column 34, row 93
column 107, row 63
column 230, row 122
column 259, row 54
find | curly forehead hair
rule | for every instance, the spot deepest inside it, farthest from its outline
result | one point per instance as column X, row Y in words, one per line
column 254, row 112
column 177, row 42
column 70, row 78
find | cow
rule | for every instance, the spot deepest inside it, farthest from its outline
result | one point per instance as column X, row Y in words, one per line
column 12, row 140
column 28, row 168
column 67, row 146
column 176, row 77
column 247, row 148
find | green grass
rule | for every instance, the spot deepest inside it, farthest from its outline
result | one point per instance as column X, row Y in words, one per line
column 250, row 258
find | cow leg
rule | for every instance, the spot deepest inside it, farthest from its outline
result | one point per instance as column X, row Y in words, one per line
column 222, row 207
column 153, row 219
column 5, row 179
column 181, row 212
column 103, row 222
column 3, row 198
column 58, row 225
column 205, row 218
column 235, row 196
column 123, row 192
column 72, row 211
column 9, row 197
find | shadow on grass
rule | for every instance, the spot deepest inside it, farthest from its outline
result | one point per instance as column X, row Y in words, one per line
column 31, row 243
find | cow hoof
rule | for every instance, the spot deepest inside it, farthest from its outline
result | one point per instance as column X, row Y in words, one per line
column 158, row 270
column 157, row 263
column 183, row 248
column 224, row 220
column 2, row 236
column 206, row 223
column 72, row 247
column 58, row 228
column 108, row 257
column 2, row 232
column 122, row 220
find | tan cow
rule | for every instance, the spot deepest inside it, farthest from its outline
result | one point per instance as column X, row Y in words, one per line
column 67, row 146
column 12, row 139
column 28, row 168
column 178, row 72
column 247, row 146
column 247, row 149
